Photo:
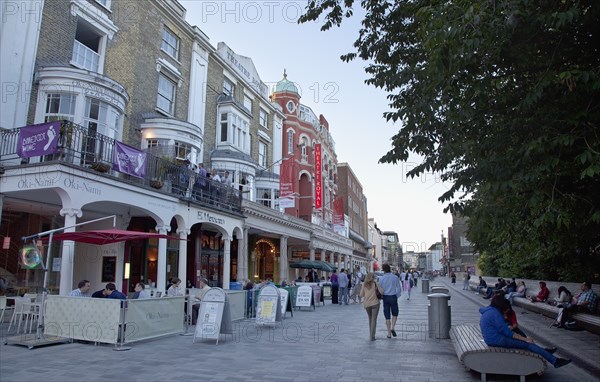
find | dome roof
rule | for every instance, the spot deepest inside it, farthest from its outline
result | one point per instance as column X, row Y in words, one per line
column 286, row 86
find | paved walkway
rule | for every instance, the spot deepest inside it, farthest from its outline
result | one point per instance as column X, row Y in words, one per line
column 329, row 344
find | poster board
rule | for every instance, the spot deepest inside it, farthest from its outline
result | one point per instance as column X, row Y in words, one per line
column 214, row 316
column 286, row 305
column 327, row 291
column 317, row 294
column 109, row 269
column 268, row 307
column 304, row 297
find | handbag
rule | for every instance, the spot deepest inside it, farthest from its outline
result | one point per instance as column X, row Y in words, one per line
column 377, row 293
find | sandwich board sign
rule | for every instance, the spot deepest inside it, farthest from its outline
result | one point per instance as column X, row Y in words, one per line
column 304, row 297
column 268, row 309
column 285, row 302
column 214, row 316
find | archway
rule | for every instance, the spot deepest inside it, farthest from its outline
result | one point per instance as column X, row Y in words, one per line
column 264, row 261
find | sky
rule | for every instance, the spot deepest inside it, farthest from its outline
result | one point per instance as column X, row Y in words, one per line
column 268, row 33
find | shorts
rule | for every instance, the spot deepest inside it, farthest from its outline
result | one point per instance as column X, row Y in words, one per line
column 390, row 303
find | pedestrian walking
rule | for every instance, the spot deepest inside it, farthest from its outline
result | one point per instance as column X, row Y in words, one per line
column 371, row 302
column 343, row 283
column 335, row 286
column 407, row 284
column 391, row 291
column 466, row 278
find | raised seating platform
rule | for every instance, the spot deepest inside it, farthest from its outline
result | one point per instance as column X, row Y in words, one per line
column 587, row 321
column 475, row 355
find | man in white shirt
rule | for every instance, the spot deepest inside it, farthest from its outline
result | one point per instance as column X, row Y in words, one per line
column 357, row 280
column 199, row 296
column 83, row 289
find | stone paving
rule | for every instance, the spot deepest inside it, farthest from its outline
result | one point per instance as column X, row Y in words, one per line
column 330, row 343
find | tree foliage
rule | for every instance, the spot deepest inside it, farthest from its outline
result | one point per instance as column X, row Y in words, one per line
column 502, row 99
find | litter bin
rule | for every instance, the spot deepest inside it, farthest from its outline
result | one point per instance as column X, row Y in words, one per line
column 425, row 286
column 439, row 315
column 235, row 286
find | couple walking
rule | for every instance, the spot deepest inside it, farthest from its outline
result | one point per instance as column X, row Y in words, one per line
column 389, row 286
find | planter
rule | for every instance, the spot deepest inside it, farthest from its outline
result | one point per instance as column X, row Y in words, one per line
column 156, row 183
column 100, row 166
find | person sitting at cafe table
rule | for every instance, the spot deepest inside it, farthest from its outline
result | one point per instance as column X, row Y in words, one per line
column 111, row 292
column 83, row 289
column 198, row 298
column 99, row 293
column 175, row 289
column 141, row 292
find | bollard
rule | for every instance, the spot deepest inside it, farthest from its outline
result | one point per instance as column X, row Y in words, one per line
column 439, row 315
column 425, row 286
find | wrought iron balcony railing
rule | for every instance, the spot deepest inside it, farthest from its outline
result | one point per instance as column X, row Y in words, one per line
column 94, row 152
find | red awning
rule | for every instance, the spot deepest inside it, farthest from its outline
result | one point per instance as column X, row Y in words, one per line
column 108, row 236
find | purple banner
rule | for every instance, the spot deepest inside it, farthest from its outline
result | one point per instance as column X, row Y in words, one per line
column 129, row 160
column 37, row 140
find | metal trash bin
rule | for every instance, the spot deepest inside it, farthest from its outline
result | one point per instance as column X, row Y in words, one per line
column 424, row 285
column 439, row 315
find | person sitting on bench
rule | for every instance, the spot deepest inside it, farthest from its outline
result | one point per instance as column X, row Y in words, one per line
column 586, row 303
column 496, row 332
column 542, row 295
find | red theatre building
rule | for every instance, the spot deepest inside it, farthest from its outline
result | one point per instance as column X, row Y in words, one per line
column 308, row 157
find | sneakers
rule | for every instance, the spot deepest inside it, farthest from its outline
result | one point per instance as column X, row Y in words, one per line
column 560, row 362
column 393, row 333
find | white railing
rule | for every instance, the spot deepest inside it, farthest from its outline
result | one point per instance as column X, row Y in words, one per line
column 85, row 57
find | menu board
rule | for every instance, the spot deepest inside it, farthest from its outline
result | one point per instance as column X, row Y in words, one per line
column 284, row 300
column 109, row 269
column 304, row 296
column 267, row 307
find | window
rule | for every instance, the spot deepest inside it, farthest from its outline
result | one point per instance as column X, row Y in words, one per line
column 86, row 47
column 182, row 150
column 170, row 43
column 304, row 149
column 262, row 154
column 248, row 103
column 224, row 127
column 60, row 106
column 290, row 141
column 263, row 196
column 262, row 118
column 153, row 143
column 228, row 87
column 165, row 100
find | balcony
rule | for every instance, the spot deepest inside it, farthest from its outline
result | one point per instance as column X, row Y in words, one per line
column 84, row 57
column 95, row 153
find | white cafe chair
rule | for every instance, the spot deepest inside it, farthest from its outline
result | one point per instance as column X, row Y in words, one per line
column 4, row 308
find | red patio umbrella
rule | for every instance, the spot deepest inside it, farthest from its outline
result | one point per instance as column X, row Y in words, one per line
column 108, row 236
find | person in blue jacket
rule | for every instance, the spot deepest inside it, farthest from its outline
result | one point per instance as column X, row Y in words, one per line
column 496, row 332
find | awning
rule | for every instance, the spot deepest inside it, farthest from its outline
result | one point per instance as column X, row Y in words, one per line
column 108, row 236
column 315, row 264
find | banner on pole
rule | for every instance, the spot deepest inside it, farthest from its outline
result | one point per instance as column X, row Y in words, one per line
column 286, row 185
column 318, row 178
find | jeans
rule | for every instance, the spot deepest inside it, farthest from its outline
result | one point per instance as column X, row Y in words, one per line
column 512, row 295
column 506, row 342
column 343, row 296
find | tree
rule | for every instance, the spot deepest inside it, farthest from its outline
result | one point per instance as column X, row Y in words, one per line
column 502, row 99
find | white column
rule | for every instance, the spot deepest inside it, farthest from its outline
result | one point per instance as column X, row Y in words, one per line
column 161, row 268
column 312, row 252
column 226, row 262
column 283, row 259
column 323, row 258
column 242, row 256
column 346, row 261
column 182, row 266
column 332, row 261
column 68, row 251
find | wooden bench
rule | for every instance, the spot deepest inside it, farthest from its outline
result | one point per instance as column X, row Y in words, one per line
column 475, row 355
